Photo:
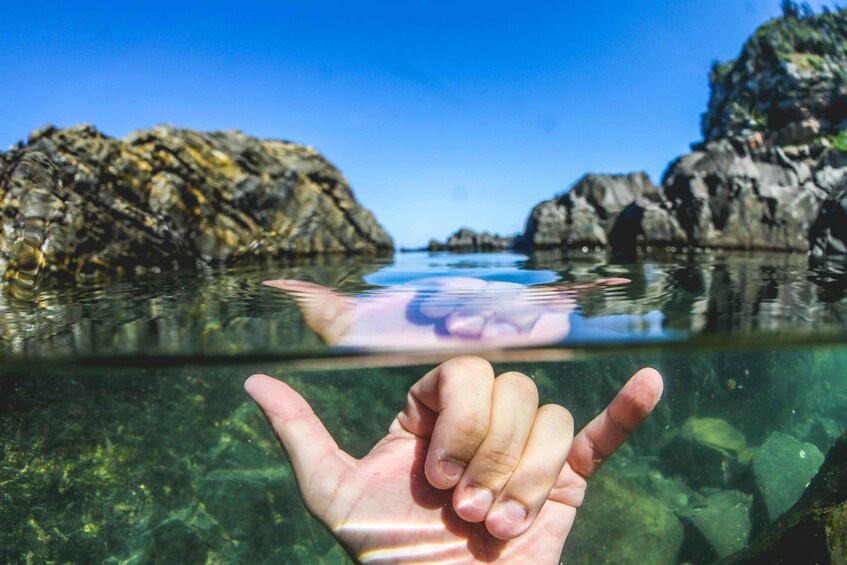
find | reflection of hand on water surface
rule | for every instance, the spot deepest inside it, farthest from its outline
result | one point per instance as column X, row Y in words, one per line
column 437, row 313
column 471, row 471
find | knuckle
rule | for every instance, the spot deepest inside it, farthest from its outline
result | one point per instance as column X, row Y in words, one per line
column 520, row 384
column 534, row 476
column 499, row 460
column 472, row 428
column 558, row 416
column 467, row 366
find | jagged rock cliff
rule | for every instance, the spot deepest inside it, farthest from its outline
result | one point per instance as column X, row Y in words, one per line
column 77, row 202
column 769, row 175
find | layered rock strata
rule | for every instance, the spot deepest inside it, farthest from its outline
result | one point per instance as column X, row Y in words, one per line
column 78, row 202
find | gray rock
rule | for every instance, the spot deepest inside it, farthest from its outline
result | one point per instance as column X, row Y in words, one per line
column 723, row 520
column 830, row 169
column 467, row 240
column 731, row 196
column 77, row 202
column 782, row 469
column 814, row 530
column 828, row 234
column 599, row 210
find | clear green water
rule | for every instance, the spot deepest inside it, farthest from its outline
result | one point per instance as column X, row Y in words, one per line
column 125, row 435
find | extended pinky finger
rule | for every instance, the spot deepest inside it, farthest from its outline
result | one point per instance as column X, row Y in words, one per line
column 542, row 460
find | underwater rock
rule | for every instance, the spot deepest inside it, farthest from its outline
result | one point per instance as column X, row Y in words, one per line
column 814, row 530
column 467, row 240
column 619, row 522
column 189, row 533
column 712, row 446
column 246, row 502
column 722, row 520
column 782, row 469
column 823, row 433
column 78, row 202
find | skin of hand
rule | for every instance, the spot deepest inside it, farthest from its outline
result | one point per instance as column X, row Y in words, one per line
column 439, row 313
column 471, row 470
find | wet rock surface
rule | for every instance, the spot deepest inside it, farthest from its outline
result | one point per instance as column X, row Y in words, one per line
column 616, row 506
column 782, row 469
column 814, row 530
column 719, row 451
column 77, row 202
column 723, row 521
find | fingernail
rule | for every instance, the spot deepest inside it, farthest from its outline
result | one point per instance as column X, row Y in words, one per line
column 511, row 512
column 451, row 469
column 476, row 503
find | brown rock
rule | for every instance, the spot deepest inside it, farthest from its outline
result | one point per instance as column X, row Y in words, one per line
column 77, row 202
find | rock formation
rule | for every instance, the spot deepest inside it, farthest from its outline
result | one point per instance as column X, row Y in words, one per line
column 77, row 202
column 466, row 240
column 602, row 211
column 769, row 175
column 814, row 530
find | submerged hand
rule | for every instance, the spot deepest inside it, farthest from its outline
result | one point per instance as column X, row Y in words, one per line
column 471, row 471
column 437, row 313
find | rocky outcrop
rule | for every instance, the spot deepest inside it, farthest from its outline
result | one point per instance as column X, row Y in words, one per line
column 466, row 240
column 77, row 202
column 731, row 195
column 788, row 84
column 769, row 175
column 616, row 211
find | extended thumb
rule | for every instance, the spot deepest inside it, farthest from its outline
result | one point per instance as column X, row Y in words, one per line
column 314, row 455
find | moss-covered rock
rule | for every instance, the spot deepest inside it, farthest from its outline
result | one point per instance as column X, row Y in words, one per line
column 621, row 523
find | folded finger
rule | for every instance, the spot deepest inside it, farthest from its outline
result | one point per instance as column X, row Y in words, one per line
column 514, row 404
column 527, row 490
column 450, row 406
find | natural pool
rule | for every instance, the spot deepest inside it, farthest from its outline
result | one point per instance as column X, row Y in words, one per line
column 125, row 434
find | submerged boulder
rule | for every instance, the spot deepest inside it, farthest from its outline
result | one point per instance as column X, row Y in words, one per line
column 782, row 469
column 620, row 522
column 721, row 520
column 77, row 202
column 814, row 530
column 713, row 446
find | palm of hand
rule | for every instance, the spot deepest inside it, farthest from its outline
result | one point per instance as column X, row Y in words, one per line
column 385, row 507
column 384, row 510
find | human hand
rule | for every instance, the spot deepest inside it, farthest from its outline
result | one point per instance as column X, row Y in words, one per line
column 439, row 313
column 471, row 471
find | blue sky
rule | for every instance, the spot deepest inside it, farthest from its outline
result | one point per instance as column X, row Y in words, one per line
column 440, row 114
